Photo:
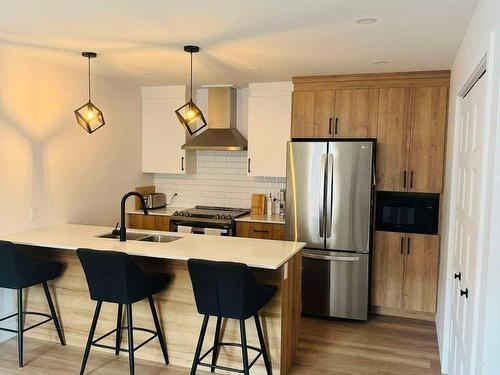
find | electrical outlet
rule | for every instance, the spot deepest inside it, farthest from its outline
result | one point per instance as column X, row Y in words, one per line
column 33, row 213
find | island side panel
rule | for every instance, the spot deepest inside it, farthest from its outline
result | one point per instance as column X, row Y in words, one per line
column 176, row 307
column 291, row 308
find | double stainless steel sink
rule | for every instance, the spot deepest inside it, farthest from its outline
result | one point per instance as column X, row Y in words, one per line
column 159, row 238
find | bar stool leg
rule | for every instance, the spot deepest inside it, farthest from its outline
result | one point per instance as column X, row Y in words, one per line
column 263, row 345
column 163, row 345
column 244, row 350
column 20, row 326
column 199, row 346
column 130, row 339
column 215, row 353
column 119, row 329
column 91, row 337
column 53, row 313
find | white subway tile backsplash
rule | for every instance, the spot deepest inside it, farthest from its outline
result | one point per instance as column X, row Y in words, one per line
column 221, row 180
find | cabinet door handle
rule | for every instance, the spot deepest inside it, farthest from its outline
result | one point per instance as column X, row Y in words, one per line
column 182, row 163
column 458, row 276
column 402, row 244
column 248, row 165
column 336, row 125
column 411, row 179
column 464, row 293
column 408, row 250
column 260, row 231
column 330, row 121
column 404, row 179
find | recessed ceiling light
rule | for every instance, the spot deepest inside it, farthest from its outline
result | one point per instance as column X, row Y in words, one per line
column 381, row 62
column 254, row 69
column 366, row 20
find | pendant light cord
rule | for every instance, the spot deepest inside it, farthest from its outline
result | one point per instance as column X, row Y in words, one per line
column 89, row 79
column 191, row 98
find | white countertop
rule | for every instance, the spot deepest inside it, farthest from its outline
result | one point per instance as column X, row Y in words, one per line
column 165, row 211
column 268, row 254
column 272, row 219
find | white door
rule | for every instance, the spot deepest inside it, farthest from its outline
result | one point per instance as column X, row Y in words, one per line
column 466, row 251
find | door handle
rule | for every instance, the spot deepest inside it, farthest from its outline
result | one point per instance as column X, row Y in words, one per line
column 464, row 293
column 322, row 188
column 408, row 250
column 411, row 179
column 331, row 258
column 330, row 120
column 458, row 276
column 248, row 165
column 404, row 179
column 330, row 194
column 336, row 125
column 182, row 163
column 402, row 244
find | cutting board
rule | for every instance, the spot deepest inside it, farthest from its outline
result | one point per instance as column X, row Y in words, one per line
column 143, row 190
column 258, row 204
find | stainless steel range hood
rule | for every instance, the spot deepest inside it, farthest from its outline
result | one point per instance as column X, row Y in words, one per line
column 221, row 133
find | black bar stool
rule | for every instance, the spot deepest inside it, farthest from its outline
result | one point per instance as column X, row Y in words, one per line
column 114, row 277
column 228, row 290
column 18, row 271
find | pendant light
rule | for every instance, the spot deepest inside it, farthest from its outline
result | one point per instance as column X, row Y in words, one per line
column 189, row 114
column 88, row 115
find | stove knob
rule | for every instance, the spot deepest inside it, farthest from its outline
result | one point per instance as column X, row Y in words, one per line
column 176, row 213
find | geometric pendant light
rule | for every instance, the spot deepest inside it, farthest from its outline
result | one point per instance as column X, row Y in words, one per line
column 189, row 115
column 88, row 115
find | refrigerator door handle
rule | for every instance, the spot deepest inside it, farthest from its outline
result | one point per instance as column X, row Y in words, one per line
column 330, row 194
column 322, row 176
column 331, row 258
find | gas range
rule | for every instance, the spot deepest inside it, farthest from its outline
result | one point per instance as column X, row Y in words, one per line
column 201, row 217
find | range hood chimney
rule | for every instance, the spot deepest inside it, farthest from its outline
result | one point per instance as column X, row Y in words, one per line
column 221, row 133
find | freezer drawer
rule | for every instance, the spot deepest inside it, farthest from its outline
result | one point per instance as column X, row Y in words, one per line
column 335, row 284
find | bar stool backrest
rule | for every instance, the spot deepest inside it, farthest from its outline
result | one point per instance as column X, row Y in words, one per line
column 111, row 276
column 223, row 289
column 16, row 267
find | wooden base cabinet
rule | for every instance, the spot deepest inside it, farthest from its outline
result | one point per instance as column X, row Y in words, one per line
column 266, row 231
column 405, row 271
column 149, row 222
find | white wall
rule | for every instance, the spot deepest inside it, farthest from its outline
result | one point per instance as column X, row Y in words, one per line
column 474, row 47
column 48, row 162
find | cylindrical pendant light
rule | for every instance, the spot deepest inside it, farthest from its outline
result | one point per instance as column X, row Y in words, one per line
column 189, row 114
column 88, row 115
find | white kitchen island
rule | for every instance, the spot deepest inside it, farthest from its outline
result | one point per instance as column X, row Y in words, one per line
column 273, row 262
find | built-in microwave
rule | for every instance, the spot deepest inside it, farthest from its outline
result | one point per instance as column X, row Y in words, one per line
column 407, row 212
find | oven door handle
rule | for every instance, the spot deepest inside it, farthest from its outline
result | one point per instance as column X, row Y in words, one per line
column 202, row 230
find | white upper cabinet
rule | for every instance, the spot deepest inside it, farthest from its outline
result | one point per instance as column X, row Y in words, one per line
column 162, row 133
column 269, row 119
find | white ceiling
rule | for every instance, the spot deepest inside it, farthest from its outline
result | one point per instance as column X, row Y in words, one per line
column 142, row 40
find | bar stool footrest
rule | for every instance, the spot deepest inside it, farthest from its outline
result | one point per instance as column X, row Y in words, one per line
column 96, row 341
column 48, row 316
column 200, row 363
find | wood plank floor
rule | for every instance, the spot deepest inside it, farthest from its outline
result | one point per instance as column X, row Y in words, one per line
column 383, row 345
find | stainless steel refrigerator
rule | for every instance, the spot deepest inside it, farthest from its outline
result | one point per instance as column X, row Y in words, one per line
column 329, row 205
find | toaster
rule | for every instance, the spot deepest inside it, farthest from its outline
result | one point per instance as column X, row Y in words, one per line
column 156, row 200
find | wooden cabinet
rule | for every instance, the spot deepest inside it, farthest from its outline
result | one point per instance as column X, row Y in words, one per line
column 426, row 150
column 355, row 113
column 392, row 138
column 269, row 116
column 406, row 112
column 335, row 113
column 411, row 131
column 404, row 271
column 162, row 134
column 149, row 222
column 266, row 231
column 421, row 272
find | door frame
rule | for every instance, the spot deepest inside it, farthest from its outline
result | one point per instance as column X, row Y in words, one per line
column 484, row 325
